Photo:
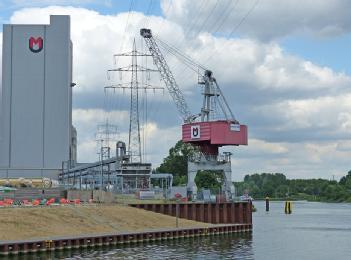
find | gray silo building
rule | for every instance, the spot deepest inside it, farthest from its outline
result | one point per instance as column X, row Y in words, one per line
column 36, row 113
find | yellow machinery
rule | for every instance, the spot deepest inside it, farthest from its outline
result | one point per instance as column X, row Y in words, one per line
column 23, row 182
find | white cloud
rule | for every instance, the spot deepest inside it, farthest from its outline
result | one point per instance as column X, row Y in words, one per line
column 332, row 113
column 160, row 140
column 265, row 65
column 299, row 160
column 270, row 19
column 260, row 147
column 157, row 140
column 86, row 122
column 260, row 77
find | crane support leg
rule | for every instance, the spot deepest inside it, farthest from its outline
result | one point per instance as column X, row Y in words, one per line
column 213, row 164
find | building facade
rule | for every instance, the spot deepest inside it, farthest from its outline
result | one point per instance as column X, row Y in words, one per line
column 36, row 113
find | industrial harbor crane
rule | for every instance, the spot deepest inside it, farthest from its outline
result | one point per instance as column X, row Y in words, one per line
column 213, row 127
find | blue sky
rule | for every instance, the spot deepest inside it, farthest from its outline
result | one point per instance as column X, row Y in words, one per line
column 332, row 52
column 285, row 70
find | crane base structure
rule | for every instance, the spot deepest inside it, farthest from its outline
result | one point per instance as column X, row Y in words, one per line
column 208, row 137
column 220, row 163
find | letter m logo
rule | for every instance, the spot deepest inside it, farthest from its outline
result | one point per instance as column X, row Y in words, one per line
column 195, row 132
column 36, row 44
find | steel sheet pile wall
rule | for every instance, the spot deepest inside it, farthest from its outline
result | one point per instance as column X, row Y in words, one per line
column 229, row 217
column 219, row 213
column 16, row 247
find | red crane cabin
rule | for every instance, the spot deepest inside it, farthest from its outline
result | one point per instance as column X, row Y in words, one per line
column 211, row 135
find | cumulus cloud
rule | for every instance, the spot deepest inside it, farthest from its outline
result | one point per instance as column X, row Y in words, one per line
column 265, row 65
column 325, row 117
column 86, row 122
column 297, row 160
column 293, row 107
column 269, row 20
column 155, row 141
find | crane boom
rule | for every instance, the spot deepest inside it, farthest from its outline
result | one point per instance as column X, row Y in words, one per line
column 167, row 75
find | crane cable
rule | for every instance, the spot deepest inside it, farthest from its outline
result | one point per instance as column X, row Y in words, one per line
column 186, row 63
column 180, row 55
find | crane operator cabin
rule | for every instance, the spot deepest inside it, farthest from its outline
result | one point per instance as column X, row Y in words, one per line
column 36, row 111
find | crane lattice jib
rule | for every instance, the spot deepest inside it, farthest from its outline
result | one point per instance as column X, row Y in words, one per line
column 167, row 75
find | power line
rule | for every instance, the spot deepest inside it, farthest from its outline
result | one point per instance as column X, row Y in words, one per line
column 148, row 12
column 222, row 14
column 196, row 19
column 226, row 12
column 131, row 6
column 238, row 24
column 208, row 17
column 242, row 20
column 166, row 13
column 225, row 17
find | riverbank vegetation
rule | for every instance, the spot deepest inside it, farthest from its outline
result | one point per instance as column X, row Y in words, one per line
column 274, row 185
column 277, row 186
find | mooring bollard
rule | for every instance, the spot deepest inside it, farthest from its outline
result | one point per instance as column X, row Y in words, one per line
column 288, row 207
column 267, row 203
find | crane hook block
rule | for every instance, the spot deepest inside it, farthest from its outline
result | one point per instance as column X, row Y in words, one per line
column 146, row 33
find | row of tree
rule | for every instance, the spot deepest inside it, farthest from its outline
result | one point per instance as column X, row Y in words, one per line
column 278, row 186
column 257, row 185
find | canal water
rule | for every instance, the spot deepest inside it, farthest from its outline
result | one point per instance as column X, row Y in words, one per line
column 313, row 231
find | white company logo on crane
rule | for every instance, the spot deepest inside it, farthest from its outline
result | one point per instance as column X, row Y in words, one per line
column 195, row 132
column 36, row 44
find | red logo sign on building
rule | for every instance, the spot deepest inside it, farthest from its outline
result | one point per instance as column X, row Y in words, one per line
column 36, row 44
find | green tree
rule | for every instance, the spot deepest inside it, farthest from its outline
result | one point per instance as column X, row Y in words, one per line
column 176, row 162
column 209, row 180
column 346, row 180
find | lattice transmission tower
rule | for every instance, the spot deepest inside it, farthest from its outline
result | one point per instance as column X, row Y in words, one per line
column 105, row 136
column 134, row 143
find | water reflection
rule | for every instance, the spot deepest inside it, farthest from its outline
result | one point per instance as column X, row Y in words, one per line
column 226, row 246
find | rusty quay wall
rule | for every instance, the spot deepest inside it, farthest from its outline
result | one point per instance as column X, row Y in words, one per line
column 218, row 213
column 32, row 246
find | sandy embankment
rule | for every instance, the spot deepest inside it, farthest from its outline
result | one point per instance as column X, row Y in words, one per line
column 32, row 223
